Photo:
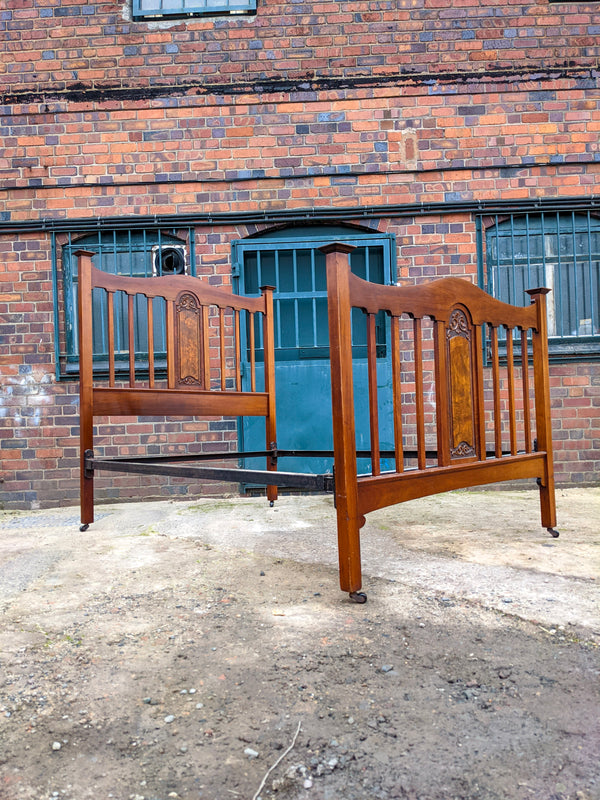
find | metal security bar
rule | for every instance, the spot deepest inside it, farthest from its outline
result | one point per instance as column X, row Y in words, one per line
column 297, row 271
column 133, row 253
column 143, row 9
column 558, row 250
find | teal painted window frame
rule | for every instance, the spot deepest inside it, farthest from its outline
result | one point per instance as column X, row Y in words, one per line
column 312, row 296
column 560, row 250
column 165, row 9
column 126, row 252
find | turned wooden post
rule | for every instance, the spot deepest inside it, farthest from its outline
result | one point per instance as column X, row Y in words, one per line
column 269, row 364
column 543, row 424
column 86, row 377
column 349, row 521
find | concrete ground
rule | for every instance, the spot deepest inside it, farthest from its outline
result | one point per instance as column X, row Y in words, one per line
column 108, row 634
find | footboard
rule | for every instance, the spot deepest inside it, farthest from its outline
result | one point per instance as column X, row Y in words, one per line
column 172, row 346
column 470, row 396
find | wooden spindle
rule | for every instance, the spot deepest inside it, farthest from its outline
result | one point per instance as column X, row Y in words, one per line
column 443, row 408
column 252, row 352
column 419, row 404
column 170, row 318
column 510, row 368
column 205, row 347
column 397, row 394
column 496, row 388
column 222, row 347
column 373, row 406
column 238, row 353
column 131, row 339
column 110, row 299
column 526, row 404
column 150, row 317
column 479, row 393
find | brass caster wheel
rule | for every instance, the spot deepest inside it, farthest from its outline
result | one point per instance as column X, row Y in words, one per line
column 358, row 597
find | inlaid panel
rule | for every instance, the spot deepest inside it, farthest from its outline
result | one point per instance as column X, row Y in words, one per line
column 462, row 421
column 188, row 319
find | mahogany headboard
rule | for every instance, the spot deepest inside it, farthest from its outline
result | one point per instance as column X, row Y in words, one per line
column 461, row 396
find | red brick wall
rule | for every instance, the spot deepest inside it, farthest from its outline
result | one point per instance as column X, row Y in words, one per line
column 387, row 147
column 318, row 108
column 575, row 392
column 73, row 45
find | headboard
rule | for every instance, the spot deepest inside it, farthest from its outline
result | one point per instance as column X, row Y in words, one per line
column 462, row 396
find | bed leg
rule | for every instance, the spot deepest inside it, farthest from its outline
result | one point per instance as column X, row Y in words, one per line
column 86, row 393
column 271, row 465
column 87, row 492
column 349, row 556
column 548, row 506
column 271, row 495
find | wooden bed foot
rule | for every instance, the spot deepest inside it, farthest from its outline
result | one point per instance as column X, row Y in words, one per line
column 358, row 597
column 84, row 527
column 554, row 533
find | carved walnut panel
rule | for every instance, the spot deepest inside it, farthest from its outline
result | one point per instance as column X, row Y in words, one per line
column 188, row 327
column 460, row 372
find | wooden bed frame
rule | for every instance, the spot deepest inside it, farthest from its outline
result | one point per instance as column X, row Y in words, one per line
column 457, row 381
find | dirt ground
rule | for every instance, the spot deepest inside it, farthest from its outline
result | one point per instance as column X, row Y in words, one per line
column 204, row 650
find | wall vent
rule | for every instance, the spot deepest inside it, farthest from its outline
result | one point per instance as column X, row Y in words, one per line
column 169, row 259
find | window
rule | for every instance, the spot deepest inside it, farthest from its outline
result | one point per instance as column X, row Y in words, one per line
column 292, row 262
column 134, row 253
column 562, row 252
column 149, row 9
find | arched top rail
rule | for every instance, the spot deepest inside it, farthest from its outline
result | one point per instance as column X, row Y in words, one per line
column 437, row 300
column 171, row 286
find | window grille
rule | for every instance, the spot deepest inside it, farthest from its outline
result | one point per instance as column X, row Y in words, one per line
column 558, row 250
column 296, row 268
column 149, row 9
column 136, row 254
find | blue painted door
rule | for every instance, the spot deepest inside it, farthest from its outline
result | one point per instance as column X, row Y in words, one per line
column 296, row 267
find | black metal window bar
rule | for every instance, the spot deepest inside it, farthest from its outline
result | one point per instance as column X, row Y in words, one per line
column 296, row 268
column 148, row 9
column 559, row 250
column 136, row 254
